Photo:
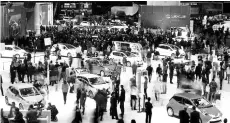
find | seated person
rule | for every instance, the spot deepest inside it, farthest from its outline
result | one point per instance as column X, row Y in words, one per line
column 32, row 115
column 18, row 117
column 53, row 110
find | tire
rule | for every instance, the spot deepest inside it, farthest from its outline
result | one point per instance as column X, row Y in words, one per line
column 17, row 56
column 7, row 100
column 102, row 73
column 170, row 112
column 129, row 64
column 90, row 94
column 68, row 54
column 20, row 106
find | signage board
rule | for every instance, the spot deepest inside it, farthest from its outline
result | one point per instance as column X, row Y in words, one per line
column 47, row 41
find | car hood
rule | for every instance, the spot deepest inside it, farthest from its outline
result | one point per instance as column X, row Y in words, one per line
column 34, row 99
column 212, row 111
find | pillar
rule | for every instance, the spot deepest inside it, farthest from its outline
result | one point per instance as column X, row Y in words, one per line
column 37, row 19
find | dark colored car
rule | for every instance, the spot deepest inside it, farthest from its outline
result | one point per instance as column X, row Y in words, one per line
column 208, row 112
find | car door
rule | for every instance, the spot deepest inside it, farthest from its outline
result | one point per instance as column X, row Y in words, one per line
column 14, row 95
column 162, row 50
column 178, row 105
column 188, row 104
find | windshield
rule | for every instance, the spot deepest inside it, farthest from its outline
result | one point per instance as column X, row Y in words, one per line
column 96, row 81
column 25, row 92
column 201, row 102
column 69, row 46
column 17, row 48
column 129, row 54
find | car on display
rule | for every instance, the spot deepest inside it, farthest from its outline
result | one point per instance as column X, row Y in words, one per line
column 84, row 23
column 66, row 18
column 66, row 49
column 169, row 50
column 73, row 72
column 101, row 66
column 208, row 112
column 225, row 24
column 11, row 50
column 92, row 83
column 24, row 95
column 117, row 57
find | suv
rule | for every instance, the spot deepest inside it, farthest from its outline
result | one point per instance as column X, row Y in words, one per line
column 131, row 58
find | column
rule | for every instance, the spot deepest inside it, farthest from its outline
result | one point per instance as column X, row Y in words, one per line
column 37, row 19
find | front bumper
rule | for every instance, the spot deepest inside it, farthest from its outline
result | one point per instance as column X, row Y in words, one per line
column 215, row 120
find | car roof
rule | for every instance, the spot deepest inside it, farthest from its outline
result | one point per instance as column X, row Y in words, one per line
column 22, row 85
column 88, row 75
column 188, row 95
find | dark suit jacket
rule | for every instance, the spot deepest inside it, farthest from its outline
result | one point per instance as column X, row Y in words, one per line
column 195, row 117
column 184, row 117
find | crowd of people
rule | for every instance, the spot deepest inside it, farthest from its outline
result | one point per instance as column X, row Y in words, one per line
column 85, row 37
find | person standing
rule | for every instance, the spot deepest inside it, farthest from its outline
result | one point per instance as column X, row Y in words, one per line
column 149, row 55
column 113, row 102
column 145, row 87
column 171, row 71
column 134, row 68
column 228, row 73
column 165, row 76
column 18, row 117
column 1, row 85
column 70, row 60
column 184, row 116
column 122, row 100
column 124, row 61
column 221, row 77
column 213, row 89
column 150, row 71
column 13, row 70
column 148, row 111
column 198, row 71
column 65, row 89
column 78, row 96
column 133, row 97
column 204, row 83
column 82, row 100
column 159, row 70
column 30, row 72
column 78, row 117
column 195, row 116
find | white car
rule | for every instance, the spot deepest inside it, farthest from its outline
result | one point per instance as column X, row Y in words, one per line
column 92, row 83
column 66, row 49
column 131, row 58
column 24, row 95
column 11, row 50
column 226, row 25
column 84, row 23
column 169, row 50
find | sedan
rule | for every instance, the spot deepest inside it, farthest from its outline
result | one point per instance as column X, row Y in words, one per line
column 24, row 95
column 169, row 50
column 101, row 66
column 66, row 49
column 208, row 112
column 11, row 50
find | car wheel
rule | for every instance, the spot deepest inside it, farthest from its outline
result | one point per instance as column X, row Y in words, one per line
column 21, row 106
column 129, row 64
column 170, row 112
column 17, row 56
column 7, row 100
column 68, row 55
column 90, row 94
column 102, row 73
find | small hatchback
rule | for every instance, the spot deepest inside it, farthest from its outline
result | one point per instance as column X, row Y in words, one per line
column 208, row 112
column 24, row 95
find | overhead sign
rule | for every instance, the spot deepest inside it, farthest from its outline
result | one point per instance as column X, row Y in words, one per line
column 47, row 41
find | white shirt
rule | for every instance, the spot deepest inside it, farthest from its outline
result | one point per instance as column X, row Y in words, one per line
column 133, row 90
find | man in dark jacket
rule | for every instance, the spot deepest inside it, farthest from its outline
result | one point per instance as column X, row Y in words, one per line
column 171, row 71
column 113, row 102
column 184, row 116
column 148, row 111
column 134, row 68
column 198, row 71
column 21, row 72
column 195, row 116
column 122, row 100
column 30, row 72
column 150, row 70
